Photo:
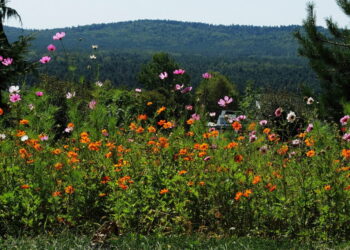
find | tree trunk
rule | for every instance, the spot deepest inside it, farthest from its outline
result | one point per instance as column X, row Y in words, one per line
column 4, row 42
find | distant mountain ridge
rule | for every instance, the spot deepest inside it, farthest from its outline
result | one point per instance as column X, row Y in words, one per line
column 264, row 55
column 174, row 37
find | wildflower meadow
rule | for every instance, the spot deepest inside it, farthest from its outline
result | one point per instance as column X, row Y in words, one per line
column 93, row 156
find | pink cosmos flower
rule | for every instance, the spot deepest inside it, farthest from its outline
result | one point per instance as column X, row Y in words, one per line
column 196, row 117
column 44, row 138
column 241, row 117
column 207, row 75
column 51, row 47
column 92, row 104
column 189, row 107
column 179, row 72
column 263, row 122
column 252, row 138
column 186, row 90
column 15, row 98
column 346, row 137
column 7, row 61
column 163, row 75
column 344, row 120
column 1, row 58
column 138, row 90
column 178, row 86
column 223, row 102
column 309, row 128
column 39, row 93
column 207, row 158
column 278, row 112
column 68, row 129
column 59, row 36
column 45, row 59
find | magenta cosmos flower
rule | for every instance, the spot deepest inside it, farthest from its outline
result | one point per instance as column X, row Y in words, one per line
column 179, row 72
column 59, row 36
column 39, row 93
column 309, row 128
column 7, row 61
column 278, row 112
column 15, row 98
column 344, row 120
column 223, row 102
column 45, row 59
column 186, row 90
column 263, row 122
column 51, row 47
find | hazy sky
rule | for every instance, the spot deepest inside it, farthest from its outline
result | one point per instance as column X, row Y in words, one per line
column 63, row 13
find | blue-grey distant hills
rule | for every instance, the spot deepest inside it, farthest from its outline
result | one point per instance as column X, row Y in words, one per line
column 265, row 55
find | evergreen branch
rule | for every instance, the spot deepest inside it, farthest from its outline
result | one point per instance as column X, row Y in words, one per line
column 335, row 43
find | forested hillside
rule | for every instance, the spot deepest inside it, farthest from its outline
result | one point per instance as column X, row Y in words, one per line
column 265, row 55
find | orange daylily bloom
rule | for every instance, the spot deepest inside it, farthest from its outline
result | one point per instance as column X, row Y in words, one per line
column 256, row 179
column 151, row 129
column 311, row 153
column 142, row 117
column 24, row 122
column 160, row 110
column 236, row 126
column 69, row 189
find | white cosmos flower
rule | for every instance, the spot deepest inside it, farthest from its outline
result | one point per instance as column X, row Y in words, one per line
column 310, row 101
column 291, row 116
column 2, row 136
column 69, row 95
column 92, row 57
column 14, row 89
column 99, row 84
column 24, row 138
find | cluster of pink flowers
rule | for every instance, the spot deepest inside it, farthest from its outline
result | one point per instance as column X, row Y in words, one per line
column 14, row 94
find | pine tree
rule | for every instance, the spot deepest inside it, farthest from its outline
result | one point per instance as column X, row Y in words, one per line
column 329, row 56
